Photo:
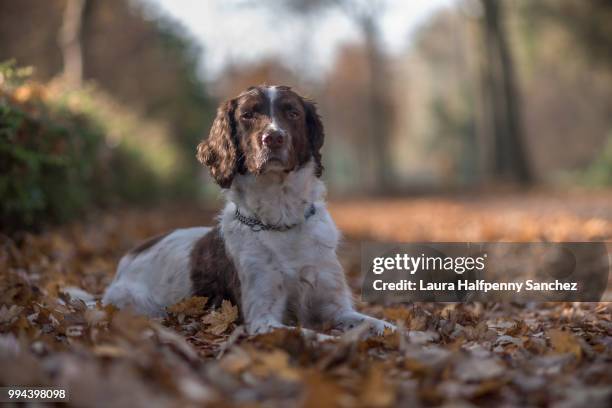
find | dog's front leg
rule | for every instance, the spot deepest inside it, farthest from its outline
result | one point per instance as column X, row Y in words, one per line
column 264, row 302
column 263, row 299
column 328, row 296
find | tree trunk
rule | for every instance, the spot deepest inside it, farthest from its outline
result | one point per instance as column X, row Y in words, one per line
column 507, row 156
column 70, row 42
column 381, row 175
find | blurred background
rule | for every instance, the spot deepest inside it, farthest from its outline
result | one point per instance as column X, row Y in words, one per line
column 446, row 121
column 102, row 102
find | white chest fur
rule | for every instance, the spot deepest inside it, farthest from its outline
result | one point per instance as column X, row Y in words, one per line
column 279, row 203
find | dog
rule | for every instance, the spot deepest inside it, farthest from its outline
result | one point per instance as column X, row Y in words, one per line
column 273, row 252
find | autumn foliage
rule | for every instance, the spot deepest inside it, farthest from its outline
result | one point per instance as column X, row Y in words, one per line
column 467, row 354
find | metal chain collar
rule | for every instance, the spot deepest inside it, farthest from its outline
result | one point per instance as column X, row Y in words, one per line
column 256, row 225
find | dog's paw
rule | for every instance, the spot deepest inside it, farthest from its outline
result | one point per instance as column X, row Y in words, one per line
column 378, row 327
column 263, row 326
column 375, row 326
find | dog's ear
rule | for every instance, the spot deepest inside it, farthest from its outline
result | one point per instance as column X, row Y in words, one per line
column 316, row 134
column 220, row 151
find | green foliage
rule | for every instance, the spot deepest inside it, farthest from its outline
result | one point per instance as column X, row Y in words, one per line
column 152, row 69
column 587, row 22
column 186, row 106
column 11, row 75
column 54, row 163
column 454, row 135
column 599, row 172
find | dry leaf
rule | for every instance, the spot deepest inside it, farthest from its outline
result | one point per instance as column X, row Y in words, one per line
column 478, row 369
column 274, row 363
column 109, row 350
column 322, row 392
column 219, row 320
column 177, row 342
column 236, row 361
column 193, row 306
column 564, row 342
column 420, row 337
column 376, row 390
column 460, row 354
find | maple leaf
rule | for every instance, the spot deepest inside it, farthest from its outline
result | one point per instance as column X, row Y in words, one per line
column 219, row 320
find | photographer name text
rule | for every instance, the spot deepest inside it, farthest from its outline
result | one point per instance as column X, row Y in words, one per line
column 478, row 285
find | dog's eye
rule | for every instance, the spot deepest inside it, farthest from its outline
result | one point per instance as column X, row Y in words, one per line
column 247, row 115
column 293, row 114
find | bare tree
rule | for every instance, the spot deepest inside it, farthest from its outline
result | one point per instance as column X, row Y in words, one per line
column 366, row 16
column 70, row 41
column 377, row 173
column 507, row 158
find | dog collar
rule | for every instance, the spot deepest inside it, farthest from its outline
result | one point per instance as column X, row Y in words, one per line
column 256, row 225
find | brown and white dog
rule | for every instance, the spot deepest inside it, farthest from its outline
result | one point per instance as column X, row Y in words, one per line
column 274, row 250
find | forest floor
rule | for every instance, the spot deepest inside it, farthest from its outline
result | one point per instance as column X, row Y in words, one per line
column 547, row 354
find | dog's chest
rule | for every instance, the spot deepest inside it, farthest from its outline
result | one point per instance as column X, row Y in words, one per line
column 290, row 252
column 286, row 253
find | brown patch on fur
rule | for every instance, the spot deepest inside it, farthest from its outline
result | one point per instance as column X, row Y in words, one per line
column 220, row 152
column 213, row 274
column 149, row 243
column 316, row 134
column 235, row 143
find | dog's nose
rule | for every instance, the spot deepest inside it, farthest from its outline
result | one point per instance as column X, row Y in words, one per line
column 273, row 139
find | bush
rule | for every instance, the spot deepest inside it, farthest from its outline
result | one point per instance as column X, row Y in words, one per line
column 56, row 162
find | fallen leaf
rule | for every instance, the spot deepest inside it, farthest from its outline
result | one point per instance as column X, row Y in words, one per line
column 236, row 361
column 564, row 342
column 420, row 337
column 322, row 391
column 193, row 306
column 478, row 369
column 220, row 320
column 176, row 341
column 275, row 363
column 376, row 390
column 109, row 350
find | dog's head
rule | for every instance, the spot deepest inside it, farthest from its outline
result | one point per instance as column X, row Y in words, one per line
column 264, row 129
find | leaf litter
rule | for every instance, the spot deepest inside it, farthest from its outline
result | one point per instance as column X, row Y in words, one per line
column 51, row 334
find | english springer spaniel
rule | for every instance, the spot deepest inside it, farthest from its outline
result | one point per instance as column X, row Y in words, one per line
column 273, row 252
